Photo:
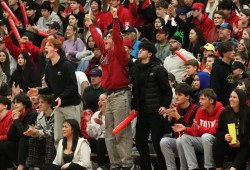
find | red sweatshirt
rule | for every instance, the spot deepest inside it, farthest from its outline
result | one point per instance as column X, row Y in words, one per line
column 114, row 62
column 207, row 122
column 5, row 125
column 99, row 17
column 138, row 19
column 124, row 16
column 206, row 24
column 232, row 19
column 28, row 47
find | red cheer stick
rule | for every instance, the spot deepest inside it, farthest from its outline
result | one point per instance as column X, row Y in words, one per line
column 44, row 34
column 6, row 8
column 25, row 18
column 14, row 29
column 125, row 122
column 181, row 56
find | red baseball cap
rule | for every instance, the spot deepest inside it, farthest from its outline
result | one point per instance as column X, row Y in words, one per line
column 198, row 5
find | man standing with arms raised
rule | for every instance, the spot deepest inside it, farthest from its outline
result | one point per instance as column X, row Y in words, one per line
column 114, row 62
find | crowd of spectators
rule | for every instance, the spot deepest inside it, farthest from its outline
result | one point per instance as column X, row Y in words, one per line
column 73, row 71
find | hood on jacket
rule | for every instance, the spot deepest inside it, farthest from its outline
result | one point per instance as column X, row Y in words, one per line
column 203, row 19
column 204, row 80
column 217, row 109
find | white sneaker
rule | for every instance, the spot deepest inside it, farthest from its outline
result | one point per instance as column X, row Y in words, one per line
column 99, row 168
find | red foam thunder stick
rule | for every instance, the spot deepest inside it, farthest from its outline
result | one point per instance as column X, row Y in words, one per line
column 25, row 18
column 6, row 8
column 14, row 29
column 125, row 122
column 16, row 33
column 181, row 56
column 44, row 34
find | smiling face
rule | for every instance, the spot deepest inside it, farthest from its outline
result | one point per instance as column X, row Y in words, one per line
column 234, row 101
column 67, row 130
column 102, row 102
column 2, row 57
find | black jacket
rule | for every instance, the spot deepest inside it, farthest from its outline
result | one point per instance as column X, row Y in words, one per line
column 221, row 81
column 27, row 77
column 61, row 81
column 21, row 125
column 151, row 89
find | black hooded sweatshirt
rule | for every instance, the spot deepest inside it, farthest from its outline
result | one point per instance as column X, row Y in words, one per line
column 61, row 81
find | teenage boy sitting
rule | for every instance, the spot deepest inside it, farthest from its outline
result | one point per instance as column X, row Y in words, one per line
column 184, row 113
column 192, row 66
column 200, row 137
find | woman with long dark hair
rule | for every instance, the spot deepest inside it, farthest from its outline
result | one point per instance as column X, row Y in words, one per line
column 26, row 75
column 73, row 152
column 197, row 40
column 238, row 113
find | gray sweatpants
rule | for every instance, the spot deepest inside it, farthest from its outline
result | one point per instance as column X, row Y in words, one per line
column 119, row 146
column 203, row 144
column 169, row 149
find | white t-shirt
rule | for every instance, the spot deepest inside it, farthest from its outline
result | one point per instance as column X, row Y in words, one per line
column 80, row 77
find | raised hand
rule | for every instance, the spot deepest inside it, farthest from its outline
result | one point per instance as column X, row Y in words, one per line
column 88, row 20
column 114, row 12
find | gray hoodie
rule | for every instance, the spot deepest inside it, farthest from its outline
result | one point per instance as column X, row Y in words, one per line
column 41, row 24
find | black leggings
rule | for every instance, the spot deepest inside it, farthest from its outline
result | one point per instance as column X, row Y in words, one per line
column 72, row 166
column 239, row 155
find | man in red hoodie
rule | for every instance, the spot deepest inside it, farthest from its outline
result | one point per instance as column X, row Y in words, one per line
column 201, row 19
column 226, row 6
column 114, row 62
column 200, row 136
column 124, row 15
